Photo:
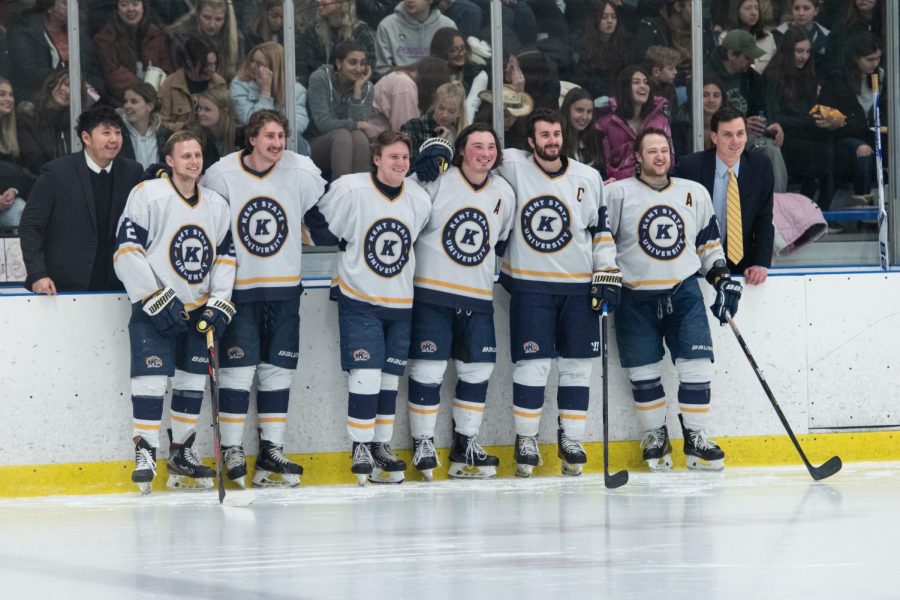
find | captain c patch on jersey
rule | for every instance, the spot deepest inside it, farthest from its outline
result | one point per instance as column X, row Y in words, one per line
column 545, row 224
column 661, row 233
column 191, row 253
column 467, row 237
column 262, row 226
column 386, row 248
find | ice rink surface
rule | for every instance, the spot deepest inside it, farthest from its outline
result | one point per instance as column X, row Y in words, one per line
column 747, row 533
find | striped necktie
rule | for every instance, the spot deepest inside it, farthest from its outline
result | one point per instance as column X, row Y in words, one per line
column 735, row 242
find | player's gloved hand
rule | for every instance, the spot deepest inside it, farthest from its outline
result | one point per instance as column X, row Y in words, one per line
column 728, row 292
column 433, row 159
column 216, row 316
column 166, row 312
column 156, row 171
column 606, row 286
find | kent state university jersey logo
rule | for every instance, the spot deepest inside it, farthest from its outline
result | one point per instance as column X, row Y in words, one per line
column 467, row 237
column 386, row 247
column 545, row 224
column 190, row 253
column 661, row 233
column 262, row 226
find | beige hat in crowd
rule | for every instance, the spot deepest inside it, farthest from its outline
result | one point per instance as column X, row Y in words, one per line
column 519, row 104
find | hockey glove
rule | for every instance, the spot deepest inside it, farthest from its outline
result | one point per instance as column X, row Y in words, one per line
column 166, row 312
column 606, row 286
column 728, row 294
column 434, row 158
column 216, row 316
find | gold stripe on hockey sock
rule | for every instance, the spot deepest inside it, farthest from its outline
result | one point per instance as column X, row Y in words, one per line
column 654, row 406
column 235, row 420
column 273, row 419
column 384, row 421
column 579, row 416
column 422, row 411
column 526, row 415
column 468, row 406
column 181, row 418
column 691, row 408
column 146, row 426
column 361, row 424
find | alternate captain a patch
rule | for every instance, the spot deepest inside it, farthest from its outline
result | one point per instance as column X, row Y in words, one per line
column 546, row 224
column 387, row 246
column 661, row 233
column 262, row 227
column 190, row 253
column 467, row 237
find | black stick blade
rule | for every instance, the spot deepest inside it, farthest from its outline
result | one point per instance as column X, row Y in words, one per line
column 617, row 480
column 832, row 466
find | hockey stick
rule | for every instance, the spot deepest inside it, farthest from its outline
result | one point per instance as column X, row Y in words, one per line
column 619, row 479
column 213, row 350
column 833, row 464
column 882, row 213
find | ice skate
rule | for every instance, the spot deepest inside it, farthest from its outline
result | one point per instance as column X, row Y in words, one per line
column 657, row 449
column 144, row 465
column 425, row 459
column 571, row 452
column 469, row 460
column 388, row 467
column 273, row 469
column 235, row 464
column 702, row 453
column 362, row 462
column 186, row 472
column 528, row 455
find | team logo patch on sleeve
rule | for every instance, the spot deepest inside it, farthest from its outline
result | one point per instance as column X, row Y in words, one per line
column 661, row 233
column 153, row 362
column 361, row 355
column 467, row 237
column 427, row 347
column 190, row 253
column 546, row 224
column 262, row 226
column 386, row 247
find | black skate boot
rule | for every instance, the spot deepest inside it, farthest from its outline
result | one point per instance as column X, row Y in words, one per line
column 273, row 469
column 571, row 452
column 528, row 455
column 389, row 468
column 235, row 464
column 469, row 460
column 702, row 453
column 425, row 459
column 144, row 465
column 186, row 472
column 657, row 449
column 362, row 463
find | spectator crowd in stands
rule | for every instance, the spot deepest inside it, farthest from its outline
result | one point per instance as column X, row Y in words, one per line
column 364, row 66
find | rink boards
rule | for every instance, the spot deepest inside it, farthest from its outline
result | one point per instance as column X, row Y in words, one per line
column 826, row 343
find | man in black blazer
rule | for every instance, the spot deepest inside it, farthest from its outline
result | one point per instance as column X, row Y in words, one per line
column 68, row 227
column 728, row 131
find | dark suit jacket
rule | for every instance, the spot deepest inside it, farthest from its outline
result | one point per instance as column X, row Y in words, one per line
column 755, row 184
column 58, row 230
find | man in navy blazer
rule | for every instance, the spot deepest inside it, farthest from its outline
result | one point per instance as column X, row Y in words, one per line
column 728, row 131
column 68, row 227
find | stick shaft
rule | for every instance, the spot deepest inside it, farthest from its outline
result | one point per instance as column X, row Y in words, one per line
column 214, row 399
column 883, row 250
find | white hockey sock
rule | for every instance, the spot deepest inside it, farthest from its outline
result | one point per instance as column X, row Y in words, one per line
column 387, row 408
column 147, row 407
column 272, row 399
column 362, row 403
column 424, row 396
column 234, row 402
column 693, row 391
column 573, row 395
column 649, row 396
column 529, row 380
column 470, row 396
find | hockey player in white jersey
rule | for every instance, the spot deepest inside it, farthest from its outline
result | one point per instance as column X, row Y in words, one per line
column 560, row 263
column 175, row 256
column 453, row 312
column 377, row 218
column 269, row 190
column 666, row 232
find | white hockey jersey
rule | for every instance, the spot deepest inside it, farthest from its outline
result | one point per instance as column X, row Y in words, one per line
column 377, row 265
column 663, row 237
column 455, row 256
column 266, row 217
column 561, row 234
column 164, row 240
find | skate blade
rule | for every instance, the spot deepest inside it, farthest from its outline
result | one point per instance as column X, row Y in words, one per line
column 524, row 471
column 183, row 482
column 658, row 465
column 263, row 478
column 427, row 474
column 361, row 479
column 145, row 487
column 380, row 476
column 464, row 471
column 695, row 463
column 239, row 482
column 571, row 470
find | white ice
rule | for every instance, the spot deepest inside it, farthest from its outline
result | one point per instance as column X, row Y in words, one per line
column 746, row 533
